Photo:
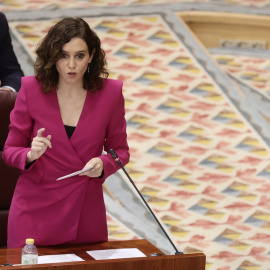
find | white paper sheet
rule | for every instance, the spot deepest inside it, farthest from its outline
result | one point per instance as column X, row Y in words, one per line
column 116, row 253
column 75, row 173
column 59, row 258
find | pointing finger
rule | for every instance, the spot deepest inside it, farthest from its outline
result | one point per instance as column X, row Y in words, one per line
column 40, row 131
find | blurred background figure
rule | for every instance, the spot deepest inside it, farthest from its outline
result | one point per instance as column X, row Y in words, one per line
column 10, row 70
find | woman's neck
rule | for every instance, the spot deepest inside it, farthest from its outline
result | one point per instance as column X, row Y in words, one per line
column 70, row 90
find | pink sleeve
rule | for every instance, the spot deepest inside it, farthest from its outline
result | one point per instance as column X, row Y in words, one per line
column 19, row 138
column 116, row 138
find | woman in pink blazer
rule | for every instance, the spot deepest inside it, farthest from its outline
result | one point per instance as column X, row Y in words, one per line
column 63, row 119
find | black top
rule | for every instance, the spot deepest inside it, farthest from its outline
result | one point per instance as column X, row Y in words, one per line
column 69, row 130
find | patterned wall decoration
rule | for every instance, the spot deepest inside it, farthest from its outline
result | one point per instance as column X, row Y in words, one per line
column 253, row 71
column 198, row 162
column 7, row 5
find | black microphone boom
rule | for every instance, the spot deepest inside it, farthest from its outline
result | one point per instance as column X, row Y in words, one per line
column 115, row 157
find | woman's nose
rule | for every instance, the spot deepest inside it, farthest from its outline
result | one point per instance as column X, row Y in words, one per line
column 71, row 62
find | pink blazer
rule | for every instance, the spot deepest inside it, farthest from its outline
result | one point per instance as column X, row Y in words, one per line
column 70, row 210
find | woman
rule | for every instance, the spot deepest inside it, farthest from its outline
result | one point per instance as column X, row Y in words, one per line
column 63, row 118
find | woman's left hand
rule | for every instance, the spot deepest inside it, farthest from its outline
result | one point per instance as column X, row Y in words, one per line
column 97, row 168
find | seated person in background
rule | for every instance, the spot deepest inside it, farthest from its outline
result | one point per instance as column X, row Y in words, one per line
column 10, row 70
column 63, row 118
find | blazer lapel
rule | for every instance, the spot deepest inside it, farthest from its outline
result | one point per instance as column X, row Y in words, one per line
column 69, row 149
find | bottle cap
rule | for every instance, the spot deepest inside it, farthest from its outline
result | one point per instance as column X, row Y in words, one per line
column 29, row 241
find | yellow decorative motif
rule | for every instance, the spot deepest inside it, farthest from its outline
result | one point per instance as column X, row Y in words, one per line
column 225, row 168
column 217, row 159
column 136, row 58
column 262, row 216
column 188, row 185
column 207, row 204
column 151, row 76
column 163, row 34
column 109, row 24
column 214, row 97
column 195, row 130
column 231, row 234
column 207, row 87
column 148, row 129
column 237, row 124
column 228, row 114
column 140, row 119
column 117, row 33
column 150, row 19
column 203, row 140
column 248, row 197
column 260, row 152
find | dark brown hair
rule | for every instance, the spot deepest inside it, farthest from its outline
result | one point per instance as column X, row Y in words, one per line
column 50, row 48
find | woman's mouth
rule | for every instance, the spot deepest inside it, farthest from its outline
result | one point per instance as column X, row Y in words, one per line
column 71, row 74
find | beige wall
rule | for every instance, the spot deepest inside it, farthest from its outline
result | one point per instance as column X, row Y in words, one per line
column 212, row 27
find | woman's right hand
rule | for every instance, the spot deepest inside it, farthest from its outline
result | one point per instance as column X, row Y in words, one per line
column 39, row 146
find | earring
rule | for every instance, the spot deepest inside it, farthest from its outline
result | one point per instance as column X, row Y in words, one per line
column 88, row 68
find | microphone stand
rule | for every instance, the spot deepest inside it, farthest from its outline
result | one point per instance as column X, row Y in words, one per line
column 115, row 157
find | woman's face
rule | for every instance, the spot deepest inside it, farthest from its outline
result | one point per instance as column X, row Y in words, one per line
column 73, row 62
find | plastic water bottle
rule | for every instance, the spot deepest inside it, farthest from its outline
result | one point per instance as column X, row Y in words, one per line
column 29, row 252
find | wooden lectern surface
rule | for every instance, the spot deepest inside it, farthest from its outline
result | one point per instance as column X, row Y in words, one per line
column 164, row 262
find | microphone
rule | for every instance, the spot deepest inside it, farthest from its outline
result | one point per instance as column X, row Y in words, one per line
column 115, row 157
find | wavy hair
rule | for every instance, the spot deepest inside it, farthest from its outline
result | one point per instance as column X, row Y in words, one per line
column 49, row 51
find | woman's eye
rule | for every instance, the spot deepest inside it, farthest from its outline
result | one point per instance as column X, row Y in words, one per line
column 64, row 55
column 80, row 56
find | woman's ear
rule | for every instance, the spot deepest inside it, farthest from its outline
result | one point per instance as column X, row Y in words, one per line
column 91, row 56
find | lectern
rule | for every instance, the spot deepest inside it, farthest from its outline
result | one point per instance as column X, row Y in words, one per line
column 163, row 262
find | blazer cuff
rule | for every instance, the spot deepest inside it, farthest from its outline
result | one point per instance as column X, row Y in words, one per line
column 9, row 87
